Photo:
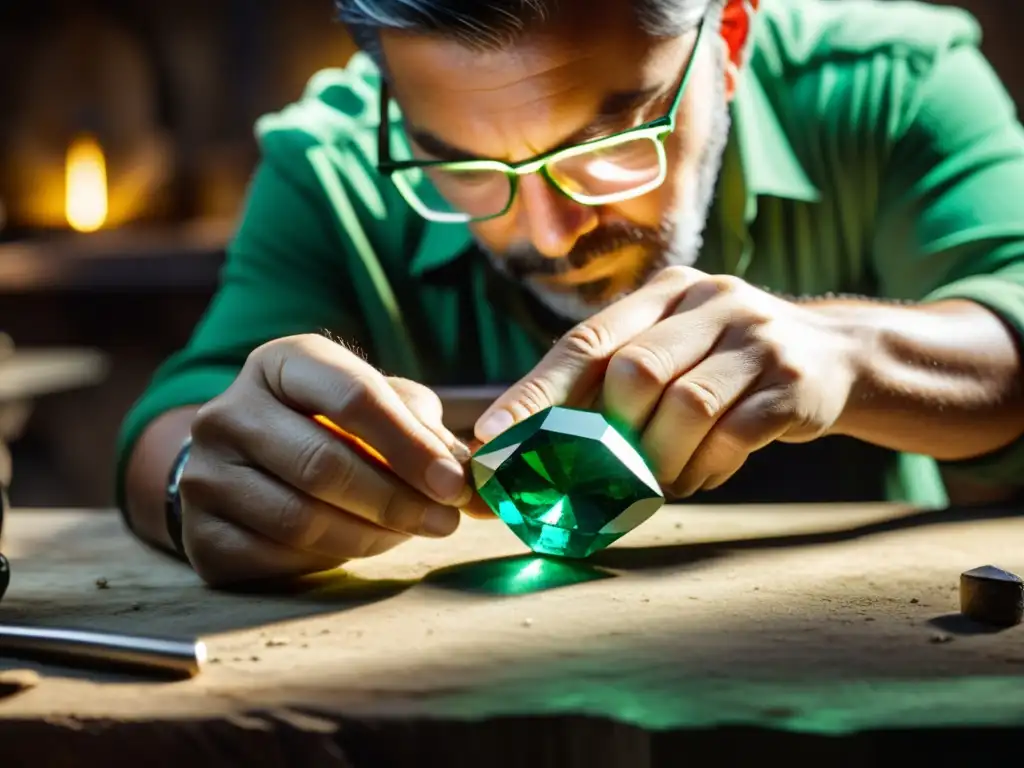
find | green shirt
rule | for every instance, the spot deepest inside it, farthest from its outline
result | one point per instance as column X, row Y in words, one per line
column 873, row 151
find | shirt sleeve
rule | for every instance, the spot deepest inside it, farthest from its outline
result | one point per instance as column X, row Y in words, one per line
column 951, row 203
column 281, row 277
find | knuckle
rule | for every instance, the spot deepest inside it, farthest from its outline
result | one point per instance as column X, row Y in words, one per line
column 269, row 357
column 587, row 340
column 214, row 419
column 642, row 365
column 535, row 395
column 697, row 397
column 409, row 387
column 712, row 288
column 200, row 484
column 318, row 467
column 674, row 273
column 357, row 394
column 293, row 524
column 290, row 359
column 421, row 400
column 727, row 283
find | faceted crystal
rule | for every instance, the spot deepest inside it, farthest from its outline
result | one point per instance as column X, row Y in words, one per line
column 566, row 482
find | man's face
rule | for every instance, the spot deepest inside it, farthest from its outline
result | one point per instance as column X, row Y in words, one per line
column 587, row 75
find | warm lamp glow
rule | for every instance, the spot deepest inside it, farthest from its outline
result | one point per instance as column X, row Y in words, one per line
column 85, row 193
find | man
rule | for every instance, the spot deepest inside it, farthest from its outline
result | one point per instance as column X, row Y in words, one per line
column 794, row 231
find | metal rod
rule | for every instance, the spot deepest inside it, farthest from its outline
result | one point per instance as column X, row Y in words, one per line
column 177, row 658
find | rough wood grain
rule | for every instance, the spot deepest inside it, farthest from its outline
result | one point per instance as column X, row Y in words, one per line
column 817, row 620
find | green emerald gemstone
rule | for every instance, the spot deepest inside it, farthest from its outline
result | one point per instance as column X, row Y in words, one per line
column 566, row 482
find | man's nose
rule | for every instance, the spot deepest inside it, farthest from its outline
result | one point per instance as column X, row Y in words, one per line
column 553, row 222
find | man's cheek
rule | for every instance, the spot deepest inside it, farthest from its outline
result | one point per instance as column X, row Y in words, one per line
column 496, row 235
column 646, row 211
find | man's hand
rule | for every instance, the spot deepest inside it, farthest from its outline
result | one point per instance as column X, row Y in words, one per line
column 268, row 492
column 706, row 369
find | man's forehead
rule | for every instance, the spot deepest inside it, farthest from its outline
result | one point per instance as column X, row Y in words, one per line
column 549, row 88
column 545, row 64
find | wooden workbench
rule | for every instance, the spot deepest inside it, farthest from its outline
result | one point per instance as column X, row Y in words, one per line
column 806, row 623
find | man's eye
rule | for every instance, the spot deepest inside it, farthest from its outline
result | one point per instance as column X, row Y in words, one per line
column 470, row 177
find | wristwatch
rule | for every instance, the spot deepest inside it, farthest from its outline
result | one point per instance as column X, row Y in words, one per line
column 172, row 503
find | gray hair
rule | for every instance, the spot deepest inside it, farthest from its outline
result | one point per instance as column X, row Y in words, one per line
column 493, row 24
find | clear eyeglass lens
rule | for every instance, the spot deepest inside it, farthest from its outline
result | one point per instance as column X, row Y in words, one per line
column 472, row 192
column 617, row 169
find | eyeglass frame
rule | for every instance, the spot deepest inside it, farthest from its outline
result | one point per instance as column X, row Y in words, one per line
column 657, row 130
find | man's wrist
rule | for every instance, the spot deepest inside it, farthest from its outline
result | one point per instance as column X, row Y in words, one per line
column 938, row 378
column 855, row 322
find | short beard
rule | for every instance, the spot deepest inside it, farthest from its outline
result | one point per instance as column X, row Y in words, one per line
column 676, row 242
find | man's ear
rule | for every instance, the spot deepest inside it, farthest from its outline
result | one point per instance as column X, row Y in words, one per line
column 737, row 18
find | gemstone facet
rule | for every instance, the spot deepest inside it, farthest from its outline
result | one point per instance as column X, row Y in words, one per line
column 566, row 482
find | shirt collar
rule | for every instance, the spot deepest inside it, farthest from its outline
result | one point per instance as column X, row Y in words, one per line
column 768, row 164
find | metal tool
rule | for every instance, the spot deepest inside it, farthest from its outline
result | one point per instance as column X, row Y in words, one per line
column 151, row 655
column 159, row 656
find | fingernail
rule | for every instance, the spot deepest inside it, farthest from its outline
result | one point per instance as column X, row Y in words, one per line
column 461, row 452
column 494, row 425
column 439, row 521
column 446, row 480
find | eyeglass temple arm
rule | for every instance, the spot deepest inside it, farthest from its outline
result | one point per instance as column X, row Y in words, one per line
column 383, row 126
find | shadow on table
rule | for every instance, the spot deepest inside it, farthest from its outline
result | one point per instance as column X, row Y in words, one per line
column 510, row 576
column 676, row 555
column 958, row 624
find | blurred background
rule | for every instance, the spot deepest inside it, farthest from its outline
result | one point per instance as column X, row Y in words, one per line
column 125, row 147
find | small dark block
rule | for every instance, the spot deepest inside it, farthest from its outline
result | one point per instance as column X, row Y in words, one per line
column 990, row 595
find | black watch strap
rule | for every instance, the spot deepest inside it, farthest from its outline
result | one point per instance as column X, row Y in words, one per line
column 172, row 505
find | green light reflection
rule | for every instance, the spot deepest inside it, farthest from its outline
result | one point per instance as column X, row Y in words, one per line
column 521, row 575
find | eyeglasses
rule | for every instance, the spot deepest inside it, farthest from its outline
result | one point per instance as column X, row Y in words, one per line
column 607, row 170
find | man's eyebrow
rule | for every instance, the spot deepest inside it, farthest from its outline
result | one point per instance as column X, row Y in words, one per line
column 614, row 110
